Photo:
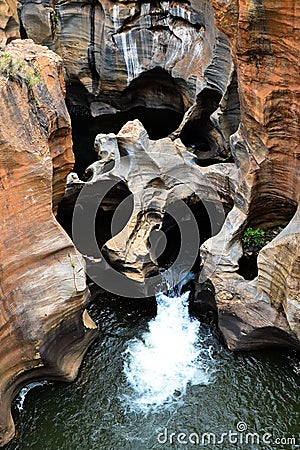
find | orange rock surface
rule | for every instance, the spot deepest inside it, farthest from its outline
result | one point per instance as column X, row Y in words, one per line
column 9, row 21
column 42, row 280
column 265, row 38
column 265, row 43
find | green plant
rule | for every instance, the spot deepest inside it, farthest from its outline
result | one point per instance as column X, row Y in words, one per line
column 253, row 238
column 54, row 22
column 32, row 80
column 53, row 18
column 19, row 71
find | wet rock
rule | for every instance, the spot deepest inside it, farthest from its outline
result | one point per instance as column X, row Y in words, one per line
column 107, row 46
column 119, row 56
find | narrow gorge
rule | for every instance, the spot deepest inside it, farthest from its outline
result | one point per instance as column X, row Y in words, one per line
column 146, row 146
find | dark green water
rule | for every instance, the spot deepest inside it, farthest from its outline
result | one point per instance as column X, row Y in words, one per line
column 261, row 390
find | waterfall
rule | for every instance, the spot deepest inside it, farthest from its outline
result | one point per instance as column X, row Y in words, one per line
column 173, row 354
column 178, row 11
column 145, row 9
column 116, row 17
column 130, row 52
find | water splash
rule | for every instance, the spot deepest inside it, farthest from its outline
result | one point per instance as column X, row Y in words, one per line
column 20, row 399
column 174, row 353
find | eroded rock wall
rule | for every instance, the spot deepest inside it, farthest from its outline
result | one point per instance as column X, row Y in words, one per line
column 44, row 330
column 265, row 46
column 107, row 45
column 170, row 54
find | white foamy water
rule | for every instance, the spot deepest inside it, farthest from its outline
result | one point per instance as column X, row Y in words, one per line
column 170, row 356
column 23, row 392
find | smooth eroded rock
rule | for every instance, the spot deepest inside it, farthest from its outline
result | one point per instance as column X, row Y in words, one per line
column 265, row 46
column 158, row 178
column 108, row 45
column 44, row 331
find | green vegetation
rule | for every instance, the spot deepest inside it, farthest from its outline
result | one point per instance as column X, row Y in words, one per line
column 53, row 20
column 19, row 71
column 253, row 238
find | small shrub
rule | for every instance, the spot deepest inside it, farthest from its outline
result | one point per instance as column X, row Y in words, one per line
column 253, row 238
column 15, row 70
column 53, row 20
column 32, row 80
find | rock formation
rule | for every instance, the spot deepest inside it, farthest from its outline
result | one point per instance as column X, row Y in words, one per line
column 140, row 54
column 244, row 71
column 165, row 55
column 44, row 328
column 112, row 49
column 9, row 22
column 264, row 37
column 158, row 174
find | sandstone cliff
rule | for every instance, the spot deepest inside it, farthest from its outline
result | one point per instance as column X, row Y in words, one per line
column 44, row 329
column 265, row 46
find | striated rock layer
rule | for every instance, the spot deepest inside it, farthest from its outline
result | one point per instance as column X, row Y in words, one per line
column 265, row 47
column 108, row 47
column 118, row 55
column 44, row 328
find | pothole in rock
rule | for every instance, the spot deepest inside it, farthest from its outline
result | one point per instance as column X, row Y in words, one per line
column 118, row 198
column 200, row 214
column 201, row 136
column 253, row 240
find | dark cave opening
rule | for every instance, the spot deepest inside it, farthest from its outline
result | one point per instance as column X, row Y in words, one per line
column 112, row 201
column 248, row 268
column 195, row 134
column 159, row 123
column 199, row 134
column 209, row 222
column 155, row 89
